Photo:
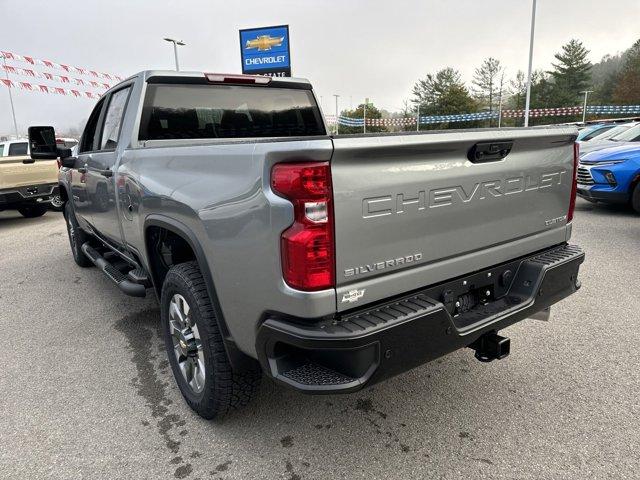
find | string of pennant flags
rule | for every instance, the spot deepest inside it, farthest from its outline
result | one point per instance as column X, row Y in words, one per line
column 468, row 117
column 27, row 72
column 32, row 87
column 58, row 66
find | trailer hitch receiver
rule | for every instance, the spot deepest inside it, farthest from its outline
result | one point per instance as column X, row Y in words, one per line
column 491, row 346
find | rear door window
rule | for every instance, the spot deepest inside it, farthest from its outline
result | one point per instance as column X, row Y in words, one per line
column 113, row 119
column 18, row 149
column 180, row 111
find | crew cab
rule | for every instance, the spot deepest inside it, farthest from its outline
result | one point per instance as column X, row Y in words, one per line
column 26, row 185
column 327, row 262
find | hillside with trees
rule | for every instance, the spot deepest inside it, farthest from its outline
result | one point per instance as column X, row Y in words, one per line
column 614, row 80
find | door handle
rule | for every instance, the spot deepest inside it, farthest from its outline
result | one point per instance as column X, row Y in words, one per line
column 489, row 151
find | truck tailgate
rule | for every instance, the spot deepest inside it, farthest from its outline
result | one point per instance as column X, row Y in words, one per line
column 15, row 173
column 413, row 210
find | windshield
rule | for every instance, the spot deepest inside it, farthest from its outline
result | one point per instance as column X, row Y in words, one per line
column 613, row 132
column 631, row 135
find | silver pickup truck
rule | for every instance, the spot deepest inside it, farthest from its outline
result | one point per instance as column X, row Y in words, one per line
column 327, row 262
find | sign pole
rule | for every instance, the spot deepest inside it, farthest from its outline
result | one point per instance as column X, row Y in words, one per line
column 418, row 119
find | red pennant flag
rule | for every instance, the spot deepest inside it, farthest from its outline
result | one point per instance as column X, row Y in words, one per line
column 7, row 82
column 44, row 88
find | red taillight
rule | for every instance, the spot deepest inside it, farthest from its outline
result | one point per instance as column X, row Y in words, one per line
column 574, row 183
column 307, row 246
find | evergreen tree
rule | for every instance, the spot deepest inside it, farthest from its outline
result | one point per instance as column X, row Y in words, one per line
column 443, row 94
column 627, row 90
column 372, row 112
column 486, row 81
column 571, row 74
column 519, row 88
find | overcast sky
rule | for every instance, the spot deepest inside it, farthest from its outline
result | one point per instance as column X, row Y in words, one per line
column 355, row 48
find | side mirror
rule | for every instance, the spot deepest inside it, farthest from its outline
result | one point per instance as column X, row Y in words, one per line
column 42, row 143
column 69, row 161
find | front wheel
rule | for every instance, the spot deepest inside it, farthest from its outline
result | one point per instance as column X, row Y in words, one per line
column 635, row 198
column 195, row 347
column 32, row 211
column 57, row 204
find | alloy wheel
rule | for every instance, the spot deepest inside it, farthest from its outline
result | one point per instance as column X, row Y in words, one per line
column 187, row 344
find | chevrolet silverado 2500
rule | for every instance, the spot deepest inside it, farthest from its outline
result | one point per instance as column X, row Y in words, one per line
column 329, row 263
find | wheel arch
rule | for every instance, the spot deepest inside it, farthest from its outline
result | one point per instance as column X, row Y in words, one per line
column 64, row 194
column 238, row 359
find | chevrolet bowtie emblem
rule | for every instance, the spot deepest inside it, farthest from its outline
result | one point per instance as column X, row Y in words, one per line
column 264, row 43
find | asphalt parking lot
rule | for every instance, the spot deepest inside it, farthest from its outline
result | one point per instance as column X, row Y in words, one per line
column 86, row 391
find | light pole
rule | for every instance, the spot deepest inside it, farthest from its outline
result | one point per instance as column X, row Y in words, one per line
column 364, row 115
column 337, row 120
column 584, row 108
column 175, row 50
column 528, row 100
column 418, row 119
column 13, row 111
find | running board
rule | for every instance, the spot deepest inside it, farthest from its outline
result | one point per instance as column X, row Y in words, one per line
column 116, row 276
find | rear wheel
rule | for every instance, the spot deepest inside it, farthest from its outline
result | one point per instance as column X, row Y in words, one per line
column 32, row 211
column 635, row 198
column 77, row 237
column 195, row 347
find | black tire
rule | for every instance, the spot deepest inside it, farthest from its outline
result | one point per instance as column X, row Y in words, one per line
column 77, row 237
column 32, row 211
column 224, row 389
column 635, row 198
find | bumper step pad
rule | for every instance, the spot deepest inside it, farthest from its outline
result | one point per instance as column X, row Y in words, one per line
column 361, row 347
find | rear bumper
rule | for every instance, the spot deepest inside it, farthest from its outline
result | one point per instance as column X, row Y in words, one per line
column 365, row 346
column 27, row 195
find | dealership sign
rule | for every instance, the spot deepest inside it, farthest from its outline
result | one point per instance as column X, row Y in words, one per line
column 265, row 51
